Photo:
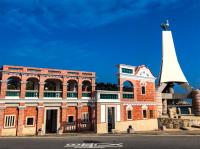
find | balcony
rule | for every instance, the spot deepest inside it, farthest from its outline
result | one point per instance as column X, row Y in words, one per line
column 12, row 94
column 72, row 94
column 31, row 94
column 53, row 94
column 128, row 95
column 86, row 95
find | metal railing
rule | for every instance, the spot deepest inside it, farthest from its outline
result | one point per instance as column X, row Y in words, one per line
column 32, row 93
column 72, row 94
column 53, row 94
column 15, row 93
column 128, row 95
column 86, row 94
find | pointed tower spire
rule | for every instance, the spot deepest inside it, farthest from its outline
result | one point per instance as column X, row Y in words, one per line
column 170, row 68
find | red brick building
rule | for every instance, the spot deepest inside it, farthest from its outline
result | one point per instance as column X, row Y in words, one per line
column 36, row 101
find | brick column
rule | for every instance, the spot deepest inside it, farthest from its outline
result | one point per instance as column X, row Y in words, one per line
column 20, row 123
column 23, row 89
column 120, row 88
column 63, row 116
column 93, row 88
column 40, row 117
column 79, row 88
column 3, row 88
column 93, row 117
column 2, row 108
column 41, row 90
column 64, row 89
column 78, row 118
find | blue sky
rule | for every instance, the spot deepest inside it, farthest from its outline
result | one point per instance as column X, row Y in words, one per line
column 95, row 35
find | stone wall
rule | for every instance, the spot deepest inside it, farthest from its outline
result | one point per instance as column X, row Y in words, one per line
column 172, row 123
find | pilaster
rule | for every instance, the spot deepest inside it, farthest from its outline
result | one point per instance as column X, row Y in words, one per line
column 20, row 123
column 2, row 111
column 79, row 88
column 78, row 121
column 40, row 114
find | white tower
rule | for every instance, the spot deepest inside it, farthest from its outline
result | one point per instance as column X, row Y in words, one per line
column 171, row 72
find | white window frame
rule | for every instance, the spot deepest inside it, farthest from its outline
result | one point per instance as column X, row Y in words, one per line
column 88, row 117
column 33, row 121
column 131, row 115
column 13, row 126
column 70, row 123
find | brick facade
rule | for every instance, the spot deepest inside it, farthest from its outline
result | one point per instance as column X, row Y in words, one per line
column 29, row 94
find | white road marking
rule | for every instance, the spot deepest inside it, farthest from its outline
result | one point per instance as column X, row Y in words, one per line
column 94, row 145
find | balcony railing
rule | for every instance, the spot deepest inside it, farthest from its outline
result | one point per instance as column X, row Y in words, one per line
column 72, row 94
column 86, row 94
column 32, row 93
column 53, row 94
column 128, row 95
column 13, row 93
column 108, row 96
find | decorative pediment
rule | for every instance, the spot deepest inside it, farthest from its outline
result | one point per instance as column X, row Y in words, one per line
column 144, row 72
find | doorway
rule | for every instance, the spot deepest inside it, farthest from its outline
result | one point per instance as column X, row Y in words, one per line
column 51, row 121
column 111, row 118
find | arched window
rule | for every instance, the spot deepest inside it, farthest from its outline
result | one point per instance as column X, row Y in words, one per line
column 86, row 86
column 129, row 110
column 53, row 88
column 144, row 111
column 32, row 84
column 13, row 86
column 128, row 90
column 13, row 83
column 32, row 87
column 72, row 85
column 127, row 86
column 72, row 89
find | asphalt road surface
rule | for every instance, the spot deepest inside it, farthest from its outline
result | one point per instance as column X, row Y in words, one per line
column 129, row 142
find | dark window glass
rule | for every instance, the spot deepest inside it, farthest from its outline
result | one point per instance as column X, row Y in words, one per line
column 143, row 90
column 70, row 119
column 125, row 70
column 151, row 114
column 29, row 121
column 144, row 113
column 129, row 114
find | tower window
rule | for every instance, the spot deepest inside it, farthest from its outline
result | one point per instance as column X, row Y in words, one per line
column 143, row 90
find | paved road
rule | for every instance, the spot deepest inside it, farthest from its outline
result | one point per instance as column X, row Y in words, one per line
column 129, row 142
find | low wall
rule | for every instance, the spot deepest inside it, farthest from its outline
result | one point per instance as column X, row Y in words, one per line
column 29, row 131
column 9, row 132
column 173, row 123
column 102, row 128
column 139, row 125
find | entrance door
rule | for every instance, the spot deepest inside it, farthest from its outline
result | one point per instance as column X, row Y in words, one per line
column 51, row 121
column 111, row 118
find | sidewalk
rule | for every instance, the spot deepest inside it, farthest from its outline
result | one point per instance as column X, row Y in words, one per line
column 168, row 132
